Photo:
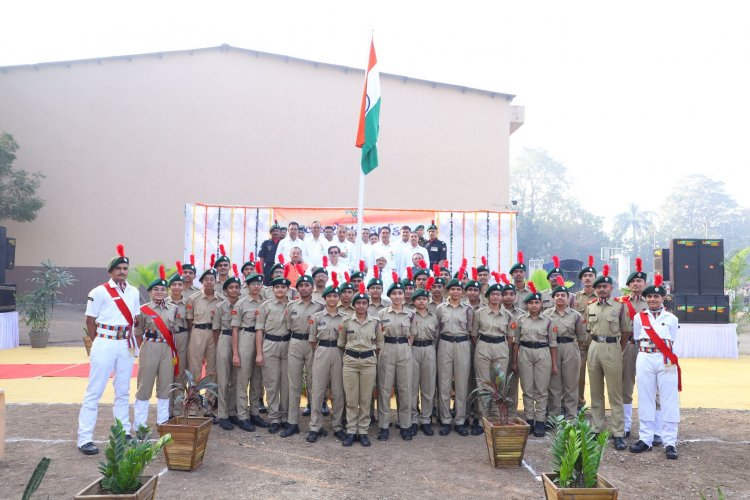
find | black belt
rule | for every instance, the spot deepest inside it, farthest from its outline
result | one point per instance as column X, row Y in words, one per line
column 421, row 343
column 202, row 326
column 608, row 340
column 301, row 336
column 250, row 329
column 396, row 340
column 492, row 340
column 631, row 340
column 360, row 354
column 278, row 338
column 181, row 329
column 226, row 332
column 327, row 343
column 535, row 345
column 457, row 338
column 565, row 340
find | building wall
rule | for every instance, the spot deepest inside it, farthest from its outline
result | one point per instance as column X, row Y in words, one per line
column 126, row 142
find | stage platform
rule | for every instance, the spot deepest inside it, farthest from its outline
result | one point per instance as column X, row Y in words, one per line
column 703, row 340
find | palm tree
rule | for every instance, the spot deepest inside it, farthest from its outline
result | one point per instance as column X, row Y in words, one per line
column 633, row 224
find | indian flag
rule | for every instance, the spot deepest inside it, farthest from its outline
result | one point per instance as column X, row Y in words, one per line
column 369, row 115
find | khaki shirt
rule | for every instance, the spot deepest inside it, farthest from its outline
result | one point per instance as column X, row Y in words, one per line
column 426, row 327
column 432, row 305
column 247, row 312
column 397, row 324
column 374, row 309
column 582, row 300
column 181, row 318
column 272, row 317
column 607, row 319
column 548, row 301
column 325, row 326
column 569, row 323
column 515, row 313
column 318, row 296
column 267, row 293
column 528, row 329
column 225, row 312
column 520, row 296
column 201, row 309
column 492, row 324
column 364, row 336
column 298, row 315
column 455, row 321
column 346, row 310
column 168, row 314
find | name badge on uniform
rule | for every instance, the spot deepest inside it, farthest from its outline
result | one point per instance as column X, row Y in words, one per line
column 350, row 331
column 294, row 314
column 322, row 324
column 386, row 322
column 433, row 249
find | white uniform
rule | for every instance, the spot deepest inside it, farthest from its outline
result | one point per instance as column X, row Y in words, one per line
column 339, row 269
column 316, row 249
column 389, row 252
column 345, row 247
column 654, row 375
column 285, row 248
column 108, row 355
column 405, row 257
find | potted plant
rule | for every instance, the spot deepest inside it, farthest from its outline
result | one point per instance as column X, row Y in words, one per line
column 189, row 431
column 576, row 456
column 38, row 304
column 506, row 440
column 121, row 472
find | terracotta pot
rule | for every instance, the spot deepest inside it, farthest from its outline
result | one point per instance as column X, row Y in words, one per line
column 95, row 490
column 602, row 491
column 39, row 340
column 506, row 444
column 189, row 439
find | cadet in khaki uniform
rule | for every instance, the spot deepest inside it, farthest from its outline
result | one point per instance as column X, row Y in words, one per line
column 320, row 278
column 587, row 275
column 456, row 321
column 568, row 327
column 243, row 353
column 324, row 329
column 157, row 361
column 535, row 360
column 395, row 362
column 298, row 316
column 189, row 272
column 633, row 303
column 421, row 274
column 423, row 360
column 608, row 321
column 226, row 370
column 377, row 301
column 346, row 294
column 472, row 288
column 181, row 336
column 483, row 277
column 509, row 304
column 201, row 308
column 436, row 292
column 409, row 287
column 518, row 275
column 222, row 265
column 360, row 337
column 271, row 353
column 247, row 269
column 547, row 299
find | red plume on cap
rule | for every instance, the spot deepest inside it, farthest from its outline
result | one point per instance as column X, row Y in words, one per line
column 496, row 276
column 287, row 268
column 474, row 274
column 252, row 256
column 436, row 270
column 121, row 250
column 162, row 272
column 361, row 266
column 605, row 270
column 300, row 269
column 213, row 259
column 258, row 268
column 335, row 279
column 236, row 271
column 409, row 274
column 520, row 257
column 361, row 288
column 432, row 222
column 556, row 261
column 484, row 261
column 281, row 259
column 658, row 280
column 504, row 278
column 446, row 264
column 376, row 272
column 430, row 282
column 464, row 262
column 591, row 261
column 276, row 221
column 422, row 264
column 638, row 264
column 560, row 281
column 222, row 251
column 347, row 277
column 394, row 276
column 325, row 261
column 192, row 260
column 531, row 286
column 179, row 267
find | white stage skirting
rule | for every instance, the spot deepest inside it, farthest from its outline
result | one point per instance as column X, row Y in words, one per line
column 9, row 330
column 697, row 340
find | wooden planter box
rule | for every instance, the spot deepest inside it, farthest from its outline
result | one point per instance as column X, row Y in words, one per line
column 188, row 445
column 95, row 491
column 506, row 444
column 602, row 491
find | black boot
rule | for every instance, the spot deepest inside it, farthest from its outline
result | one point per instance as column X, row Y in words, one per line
column 257, row 421
column 476, row 429
column 619, row 443
column 261, row 407
column 639, row 447
column 427, row 429
column 307, row 412
column 462, row 430
column 671, row 452
column 405, row 435
column 383, row 435
column 539, row 429
column 234, row 419
column 290, row 430
column 348, row 440
column 340, row 435
column 274, row 428
column 312, row 437
column 364, row 440
column 444, row 430
column 531, row 426
column 225, row 424
column 246, row 426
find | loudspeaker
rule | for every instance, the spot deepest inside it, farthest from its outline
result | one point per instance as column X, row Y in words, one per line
column 684, row 259
column 7, row 297
column 570, row 269
column 722, row 308
column 700, row 309
column 711, row 265
column 661, row 262
column 675, row 304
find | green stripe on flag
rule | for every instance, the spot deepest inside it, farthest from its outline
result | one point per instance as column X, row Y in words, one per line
column 369, row 148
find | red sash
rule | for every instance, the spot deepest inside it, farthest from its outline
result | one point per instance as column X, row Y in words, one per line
column 164, row 333
column 631, row 309
column 123, row 310
column 662, row 346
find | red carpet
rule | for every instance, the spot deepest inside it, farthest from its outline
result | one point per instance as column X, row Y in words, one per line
column 48, row 370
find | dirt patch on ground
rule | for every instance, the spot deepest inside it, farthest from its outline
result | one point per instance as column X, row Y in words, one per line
column 713, row 452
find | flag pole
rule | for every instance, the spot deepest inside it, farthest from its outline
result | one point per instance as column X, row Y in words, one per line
column 360, row 212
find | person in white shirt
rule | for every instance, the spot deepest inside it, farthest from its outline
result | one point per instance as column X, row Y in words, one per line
column 292, row 240
column 407, row 253
column 384, row 248
column 657, row 371
column 328, row 233
column 381, row 274
column 335, row 264
column 111, row 312
column 346, row 247
column 317, row 245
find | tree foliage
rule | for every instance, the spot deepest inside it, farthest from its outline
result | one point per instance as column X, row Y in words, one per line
column 19, row 200
column 634, row 229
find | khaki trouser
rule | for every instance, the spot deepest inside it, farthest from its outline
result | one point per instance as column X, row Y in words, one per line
column 535, row 368
column 629, row 357
column 248, row 374
column 359, row 376
column 226, row 373
column 275, row 379
column 584, row 350
column 605, row 364
column 563, row 387
column 423, row 376
column 327, row 368
column 472, row 411
column 485, row 356
column 200, row 347
column 181, row 343
column 300, row 358
column 395, row 367
column 453, row 365
column 154, row 365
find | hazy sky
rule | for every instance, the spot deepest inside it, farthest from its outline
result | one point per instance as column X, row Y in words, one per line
column 628, row 95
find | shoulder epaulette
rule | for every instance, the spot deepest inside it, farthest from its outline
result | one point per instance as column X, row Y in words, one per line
column 593, row 300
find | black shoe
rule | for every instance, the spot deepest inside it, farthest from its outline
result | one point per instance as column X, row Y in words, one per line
column 413, row 429
column 234, row 420
column 531, row 426
column 539, row 429
column 290, row 430
column 258, row 421
column 476, row 429
column 88, row 449
column 225, row 424
column 406, row 435
column 312, row 437
column 462, row 430
column 619, row 443
column 427, row 429
column 348, row 440
column 383, row 435
column 325, row 411
column 671, row 452
column 639, row 447
column 284, row 425
column 444, row 430
column 657, row 441
column 262, row 408
column 246, row 426
column 341, row 435
column 214, row 419
column 453, row 413
column 306, row 412
column 274, row 428
column 364, row 440
column 627, row 434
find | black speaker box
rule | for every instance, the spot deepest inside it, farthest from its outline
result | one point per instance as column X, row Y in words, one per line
column 675, row 304
column 7, row 297
column 3, row 252
column 684, row 259
column 722, row 308
column 711, row 265
column 661, row 262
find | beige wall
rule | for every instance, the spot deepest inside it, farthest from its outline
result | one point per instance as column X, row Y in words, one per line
column 126, row 142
